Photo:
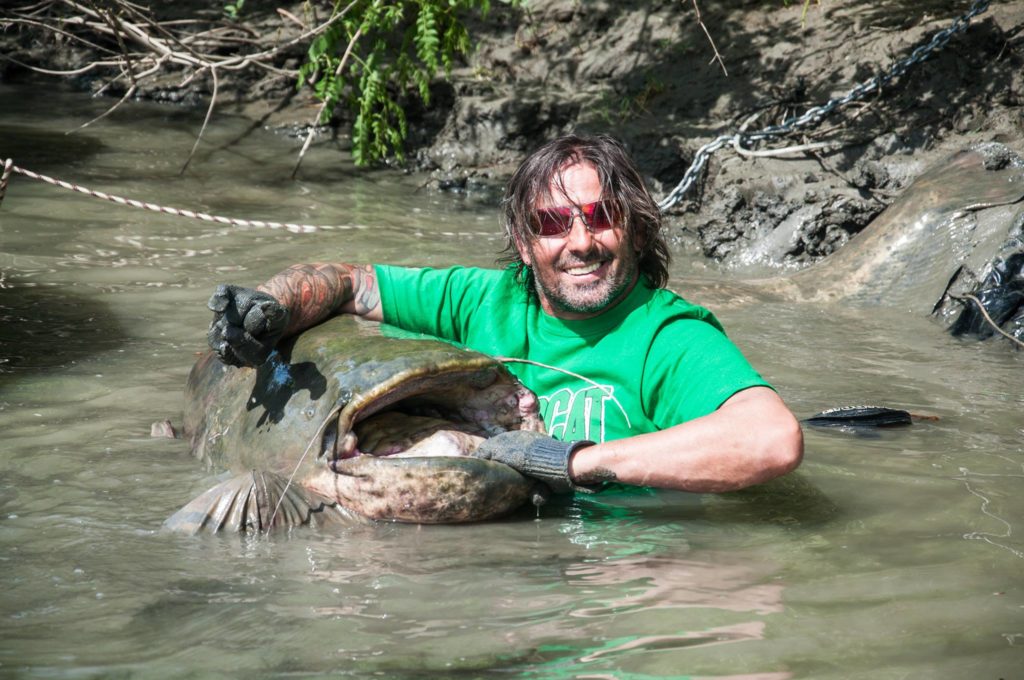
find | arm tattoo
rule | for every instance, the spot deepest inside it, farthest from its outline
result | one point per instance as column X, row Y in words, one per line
column 312, row 292
column 367, row 295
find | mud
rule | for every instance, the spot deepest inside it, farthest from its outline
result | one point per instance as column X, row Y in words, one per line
column 643, row 70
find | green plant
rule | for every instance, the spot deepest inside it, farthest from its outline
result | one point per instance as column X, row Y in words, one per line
column 234, row 9
column 375, row 52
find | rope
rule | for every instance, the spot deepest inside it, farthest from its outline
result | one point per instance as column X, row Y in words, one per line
column 512, row 360
column 180, row 212
column 606, row 389
column 8, row 166
column 989, row 319
column 815, row 115
column 334, row 412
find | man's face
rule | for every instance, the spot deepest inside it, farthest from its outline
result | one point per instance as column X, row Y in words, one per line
column 580, row 274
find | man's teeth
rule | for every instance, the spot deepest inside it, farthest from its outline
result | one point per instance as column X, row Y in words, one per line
column 585, row 269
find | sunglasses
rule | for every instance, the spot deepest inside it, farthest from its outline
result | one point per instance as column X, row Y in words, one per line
column 596, row 216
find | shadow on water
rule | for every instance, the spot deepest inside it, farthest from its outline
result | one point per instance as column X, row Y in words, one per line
column 46, row 149
column 42, row 328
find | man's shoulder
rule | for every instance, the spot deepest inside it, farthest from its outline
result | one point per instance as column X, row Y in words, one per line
column 465, row 287
column 457, row 274
column 663, row 305
column 486, row 280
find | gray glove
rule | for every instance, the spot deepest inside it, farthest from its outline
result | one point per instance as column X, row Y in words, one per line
column 246, row 325
column 535, row 455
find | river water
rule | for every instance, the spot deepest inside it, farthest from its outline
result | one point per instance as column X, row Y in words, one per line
column 888, row 556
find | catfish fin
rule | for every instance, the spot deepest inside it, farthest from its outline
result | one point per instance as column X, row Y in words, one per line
column 251, row 502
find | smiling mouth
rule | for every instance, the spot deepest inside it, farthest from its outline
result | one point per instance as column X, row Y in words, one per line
column 585, row 269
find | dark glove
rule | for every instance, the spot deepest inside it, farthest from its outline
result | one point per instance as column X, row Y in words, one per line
column 535, row 455
column 246, row 325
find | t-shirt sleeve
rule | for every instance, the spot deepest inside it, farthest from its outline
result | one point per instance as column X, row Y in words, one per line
column 438, row 302
column 692, row 369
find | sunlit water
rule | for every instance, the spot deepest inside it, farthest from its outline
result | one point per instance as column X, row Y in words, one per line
column 898, row 555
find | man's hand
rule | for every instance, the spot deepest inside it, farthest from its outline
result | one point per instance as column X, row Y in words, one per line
column 535, row 455
column 246, row 325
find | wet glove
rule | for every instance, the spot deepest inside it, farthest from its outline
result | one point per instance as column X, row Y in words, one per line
column 246, row 325
column 535, row 455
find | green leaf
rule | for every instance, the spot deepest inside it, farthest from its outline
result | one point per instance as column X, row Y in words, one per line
column 402, row 46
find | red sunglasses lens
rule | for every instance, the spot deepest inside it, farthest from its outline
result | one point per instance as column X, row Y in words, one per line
column 553, row 221
column 599, row 216
column 558, row 221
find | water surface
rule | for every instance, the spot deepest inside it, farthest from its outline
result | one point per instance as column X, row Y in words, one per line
column 893, row 556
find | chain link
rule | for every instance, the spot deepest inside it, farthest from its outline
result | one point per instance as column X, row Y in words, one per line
column 815, row 115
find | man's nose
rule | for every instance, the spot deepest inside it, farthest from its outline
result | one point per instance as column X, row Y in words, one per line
column 579, row 236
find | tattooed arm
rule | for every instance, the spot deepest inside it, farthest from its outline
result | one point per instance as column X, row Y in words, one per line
column 314, row 292
column 247, row 324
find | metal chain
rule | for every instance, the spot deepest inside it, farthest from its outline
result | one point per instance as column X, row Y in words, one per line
column 816, row 114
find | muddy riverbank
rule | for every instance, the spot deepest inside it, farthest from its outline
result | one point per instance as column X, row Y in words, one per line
column 645, row 72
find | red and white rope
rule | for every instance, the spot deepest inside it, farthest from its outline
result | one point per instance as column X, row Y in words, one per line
column 9, row 167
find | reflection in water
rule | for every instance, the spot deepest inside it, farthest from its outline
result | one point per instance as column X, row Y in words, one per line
column 659, row 582
column 550, row 608
column 653, row 643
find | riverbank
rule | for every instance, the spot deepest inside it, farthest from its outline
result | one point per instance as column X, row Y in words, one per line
column 644, row 71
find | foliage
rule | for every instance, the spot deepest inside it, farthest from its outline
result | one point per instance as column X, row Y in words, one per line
column 374, row 53
column 234, row 9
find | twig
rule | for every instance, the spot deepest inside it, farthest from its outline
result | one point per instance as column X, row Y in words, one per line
column 127, row 71
column 291, row 17
column 862, row 108
column 206, row 121
column 122, row 100
column 125, row 21
column 69, row 72
column 60, row 31
column 316, row 121
column 717, row 57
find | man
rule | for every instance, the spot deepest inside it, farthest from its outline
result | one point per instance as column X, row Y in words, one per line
column 637, row 385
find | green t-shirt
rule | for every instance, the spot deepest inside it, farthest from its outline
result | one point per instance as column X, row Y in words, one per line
column 651, row 362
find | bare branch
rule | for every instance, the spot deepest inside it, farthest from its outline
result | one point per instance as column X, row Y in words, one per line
column 69, row 72
column 147, row 47
column 122, row 100
column 337, row 74
column 206, row 121
column 717, row 57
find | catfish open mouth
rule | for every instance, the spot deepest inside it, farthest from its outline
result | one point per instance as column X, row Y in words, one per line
column 397, row 415
column 436, row 411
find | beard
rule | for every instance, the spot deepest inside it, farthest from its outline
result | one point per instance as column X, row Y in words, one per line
column 590, row 297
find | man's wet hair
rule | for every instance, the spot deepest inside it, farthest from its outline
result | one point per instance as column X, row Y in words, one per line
column 621, row 184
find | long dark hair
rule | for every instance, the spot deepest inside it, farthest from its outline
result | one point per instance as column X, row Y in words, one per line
column 620, row 183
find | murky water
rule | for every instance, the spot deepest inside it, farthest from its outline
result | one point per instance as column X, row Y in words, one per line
column 887, row 557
